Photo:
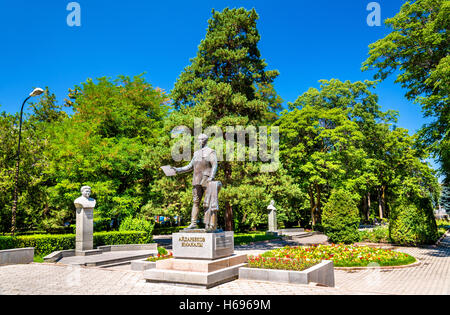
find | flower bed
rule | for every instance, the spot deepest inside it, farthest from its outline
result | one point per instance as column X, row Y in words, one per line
column 343, row 255
column 160, row 257
column 296, row 264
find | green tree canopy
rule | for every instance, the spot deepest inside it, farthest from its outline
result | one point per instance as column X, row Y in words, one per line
column 336, row 137
column 417, row 51
column 101, row 144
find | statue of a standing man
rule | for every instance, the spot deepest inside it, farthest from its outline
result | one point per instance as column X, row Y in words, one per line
column 204, row 165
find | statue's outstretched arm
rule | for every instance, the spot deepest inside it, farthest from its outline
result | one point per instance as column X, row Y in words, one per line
column 186, row 168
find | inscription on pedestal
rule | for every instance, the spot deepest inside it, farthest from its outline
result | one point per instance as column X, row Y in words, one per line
column 202, row 245
column 192, row 241
column 224, row 242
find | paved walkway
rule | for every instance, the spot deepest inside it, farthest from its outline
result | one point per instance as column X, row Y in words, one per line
column 432, row 276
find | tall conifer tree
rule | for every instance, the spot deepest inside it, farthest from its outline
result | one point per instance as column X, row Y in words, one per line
column 227, row 84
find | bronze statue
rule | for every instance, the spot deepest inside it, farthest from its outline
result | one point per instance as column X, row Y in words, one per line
column 204, row 165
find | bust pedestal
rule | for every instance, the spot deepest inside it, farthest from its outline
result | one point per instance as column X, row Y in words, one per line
column 272, row 217
column 273, row 220
column 84, row 240
column 85, row 229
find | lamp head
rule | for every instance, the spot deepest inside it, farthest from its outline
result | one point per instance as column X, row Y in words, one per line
column 36, row 92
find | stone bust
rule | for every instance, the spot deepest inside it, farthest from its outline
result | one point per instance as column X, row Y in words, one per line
column 85, row 201
column 271, row 205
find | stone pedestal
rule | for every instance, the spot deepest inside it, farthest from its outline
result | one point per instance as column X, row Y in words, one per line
column 200, row 259
column 193, row 245
column 273, row 220
column 84, row 240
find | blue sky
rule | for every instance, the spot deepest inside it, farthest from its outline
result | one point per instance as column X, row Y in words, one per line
column 305, row 40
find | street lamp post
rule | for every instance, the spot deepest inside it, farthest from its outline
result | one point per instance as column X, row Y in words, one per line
column 36, row 92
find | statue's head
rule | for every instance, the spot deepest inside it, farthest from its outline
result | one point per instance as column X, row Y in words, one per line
column 202, row 140
column 86, row 191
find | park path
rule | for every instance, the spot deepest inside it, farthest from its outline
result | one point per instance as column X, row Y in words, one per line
column 432, row 276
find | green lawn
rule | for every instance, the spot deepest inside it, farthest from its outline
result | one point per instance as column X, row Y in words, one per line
column 245, row 238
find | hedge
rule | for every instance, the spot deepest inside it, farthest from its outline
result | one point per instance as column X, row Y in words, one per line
column 242, row 238
column 45, row 244
column 167, row 230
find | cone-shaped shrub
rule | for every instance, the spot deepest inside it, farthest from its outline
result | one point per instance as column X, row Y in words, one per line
column 340, row 218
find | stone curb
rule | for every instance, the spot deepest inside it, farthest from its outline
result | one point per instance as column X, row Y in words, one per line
column 415, row 264
column 322, row 273
column 381, row 245
column 142, row 265
column 16, row 256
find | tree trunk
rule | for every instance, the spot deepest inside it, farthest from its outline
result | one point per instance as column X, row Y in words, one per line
column 364, row 207
column 315, row 204
column 312, row 206
column 381, row 202
column 228, row 207
column 368, row 206
column 318, row 206
column 228, row 216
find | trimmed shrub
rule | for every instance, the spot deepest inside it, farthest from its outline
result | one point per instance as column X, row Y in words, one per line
column 138, row 224
column 48, row 243
column 102, row 224
column 167, row 230
column 45, row 244
column 121, row 238
column 379, row 234
column 412, row 223
column 7, row 242
column 242, row 238
column 340, row 218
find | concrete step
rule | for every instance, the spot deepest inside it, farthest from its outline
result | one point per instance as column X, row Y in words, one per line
column 115, row 261
column 108, row 258
column 290, row 231
column 116, row 264
column 291, row 236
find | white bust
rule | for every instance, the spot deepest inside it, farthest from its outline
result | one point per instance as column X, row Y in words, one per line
column 272, row 205
column 84, row 201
